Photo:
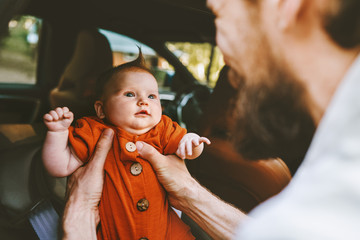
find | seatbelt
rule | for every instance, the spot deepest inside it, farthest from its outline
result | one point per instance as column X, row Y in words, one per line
column 45, row 220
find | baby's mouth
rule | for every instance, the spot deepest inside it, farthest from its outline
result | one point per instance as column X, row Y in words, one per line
column 142, row 112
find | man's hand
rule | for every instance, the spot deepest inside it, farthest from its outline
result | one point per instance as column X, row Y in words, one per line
column 171, row 172
column 214, row 216
column 81, row 215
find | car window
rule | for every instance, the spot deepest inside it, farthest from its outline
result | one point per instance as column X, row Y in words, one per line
column 203, row 60
column 18, row 51
column 125, row 49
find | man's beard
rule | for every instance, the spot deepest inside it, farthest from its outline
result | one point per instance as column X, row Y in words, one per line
column 272, row 117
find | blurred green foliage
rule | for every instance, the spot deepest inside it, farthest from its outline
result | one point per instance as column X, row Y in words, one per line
column 197, row 57
column 18, row 51
column 16, row 39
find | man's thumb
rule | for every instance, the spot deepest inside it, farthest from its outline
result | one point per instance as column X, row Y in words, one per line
column 102, row 148
column 148, row 152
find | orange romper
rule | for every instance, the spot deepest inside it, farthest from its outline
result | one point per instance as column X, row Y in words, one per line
column 133, row 204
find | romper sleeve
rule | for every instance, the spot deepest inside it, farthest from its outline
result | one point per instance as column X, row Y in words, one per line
column 82, row 139
column 172, row 135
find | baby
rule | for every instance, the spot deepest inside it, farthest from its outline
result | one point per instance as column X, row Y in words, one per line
column 133, row 204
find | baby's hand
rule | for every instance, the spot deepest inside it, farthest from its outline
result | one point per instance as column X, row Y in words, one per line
column 190, row 145
column 59, row 119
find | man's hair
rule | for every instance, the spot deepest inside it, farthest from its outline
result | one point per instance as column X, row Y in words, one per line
column 343, row 24
column 135, row 65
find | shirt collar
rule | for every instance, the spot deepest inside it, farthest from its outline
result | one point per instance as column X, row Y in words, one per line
column 341, row 121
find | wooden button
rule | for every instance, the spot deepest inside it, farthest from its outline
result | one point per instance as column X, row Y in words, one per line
column 143, row 238
column 136, row 168
column 142, row 205
column 130, row 146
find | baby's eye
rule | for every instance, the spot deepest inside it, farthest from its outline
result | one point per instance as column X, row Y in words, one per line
column 152, row 96
column 129, row 94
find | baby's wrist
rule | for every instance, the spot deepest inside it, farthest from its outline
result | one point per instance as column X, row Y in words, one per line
column 58, row 132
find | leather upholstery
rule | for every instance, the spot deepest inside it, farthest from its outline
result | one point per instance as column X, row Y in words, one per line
column 92, row 56
column 23, row 179
column 17, row 188
column 243, row 183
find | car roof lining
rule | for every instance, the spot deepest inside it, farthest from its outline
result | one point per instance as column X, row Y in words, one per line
column 173, row 20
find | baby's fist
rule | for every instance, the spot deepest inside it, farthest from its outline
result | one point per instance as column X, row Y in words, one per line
column 59, row 119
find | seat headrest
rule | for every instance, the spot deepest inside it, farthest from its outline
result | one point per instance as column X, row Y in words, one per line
column 92, row 56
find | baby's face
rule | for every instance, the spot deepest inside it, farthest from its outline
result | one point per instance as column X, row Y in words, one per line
column 132, row 102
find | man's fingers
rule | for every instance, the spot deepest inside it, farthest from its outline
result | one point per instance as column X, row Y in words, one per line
column 102, row 149
column 149, row 153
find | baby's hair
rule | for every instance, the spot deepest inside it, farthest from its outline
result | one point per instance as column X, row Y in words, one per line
column 138, row 63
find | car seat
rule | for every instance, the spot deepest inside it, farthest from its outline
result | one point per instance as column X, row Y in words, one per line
column 24, row 183
column 92, row 56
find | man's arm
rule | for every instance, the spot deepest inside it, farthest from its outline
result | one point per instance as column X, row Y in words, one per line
column 214, row 216
column 81, row 214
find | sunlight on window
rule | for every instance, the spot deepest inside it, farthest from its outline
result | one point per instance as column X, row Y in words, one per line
column 125, row 49
column 203, row 60
column 18, row 51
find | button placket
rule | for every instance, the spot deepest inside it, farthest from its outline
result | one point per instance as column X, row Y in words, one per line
column 142, row 205
column 136, row 168
column 130, row 147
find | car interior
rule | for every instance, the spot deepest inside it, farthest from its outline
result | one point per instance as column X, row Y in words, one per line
column 68, row 45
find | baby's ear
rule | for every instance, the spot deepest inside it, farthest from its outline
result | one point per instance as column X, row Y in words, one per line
column 99, row 109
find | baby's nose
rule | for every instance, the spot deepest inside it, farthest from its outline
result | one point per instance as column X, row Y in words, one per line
column 142, row 102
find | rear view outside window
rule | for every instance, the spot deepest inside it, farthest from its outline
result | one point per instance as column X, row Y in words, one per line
column 125, row 49
column 18, row 51
column 203, row 60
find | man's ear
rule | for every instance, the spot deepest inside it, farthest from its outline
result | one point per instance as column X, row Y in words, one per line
column 291, row 12
column 99, row 109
